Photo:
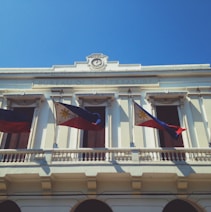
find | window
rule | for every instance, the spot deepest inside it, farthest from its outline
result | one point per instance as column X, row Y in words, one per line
column 29, row 105
column 95, row 139
column 96, row 103
column 169, row 115
column 19, row 140
column 167, row 105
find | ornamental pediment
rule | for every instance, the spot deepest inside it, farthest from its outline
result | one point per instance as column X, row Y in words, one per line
column 96, row 62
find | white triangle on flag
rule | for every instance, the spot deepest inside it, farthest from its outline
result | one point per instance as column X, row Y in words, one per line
column 140, row 115
column 63, row 114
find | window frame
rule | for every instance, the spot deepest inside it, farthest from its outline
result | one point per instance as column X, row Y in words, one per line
column 20, row 101
column 97, row 100
column 168, row 99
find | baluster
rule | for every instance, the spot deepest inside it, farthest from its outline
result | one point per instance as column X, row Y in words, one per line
column 150, row 156
column 85, row 156
column 89, row 156
column 200, row 156
column 171, row 156
column 147, row 156
column 7, row 157
column 166, row 155
column 27, row 157
column 100, row 156
column 58, row 156
column 125, row 156
column 63, row 156
column 143, row 156
column 20, row 157
column 70, row 158
column 180, row 157
column 188, row 156
column 75, row 156
column 175, row 156
column 17, row 158
column 119, row 156
column 67, row 157
column 11, row 157
column 96, row 156
column 157, row 156
column 116, row 155
column 122, row 156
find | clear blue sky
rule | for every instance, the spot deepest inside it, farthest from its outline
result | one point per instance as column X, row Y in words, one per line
column 43, row 33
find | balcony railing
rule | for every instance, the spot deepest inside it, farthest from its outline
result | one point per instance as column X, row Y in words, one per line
column 97, row 155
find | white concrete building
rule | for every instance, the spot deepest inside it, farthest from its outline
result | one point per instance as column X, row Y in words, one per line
column 122, row 167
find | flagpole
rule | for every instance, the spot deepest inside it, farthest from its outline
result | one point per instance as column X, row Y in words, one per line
column 80, row 102
column 130, row 118
column 1, row 133
column 55, row 145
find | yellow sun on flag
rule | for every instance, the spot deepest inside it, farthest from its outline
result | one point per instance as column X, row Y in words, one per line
column 65, row 113
column 143, row 115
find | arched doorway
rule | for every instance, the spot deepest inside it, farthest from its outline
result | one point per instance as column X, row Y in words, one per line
column 92, row 205
column 180, row 205
column 9, row 205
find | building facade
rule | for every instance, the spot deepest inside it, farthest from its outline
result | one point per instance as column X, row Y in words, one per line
column 122, row 167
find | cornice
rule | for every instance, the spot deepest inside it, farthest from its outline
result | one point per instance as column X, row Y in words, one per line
column 22, row 74
column 111, row 69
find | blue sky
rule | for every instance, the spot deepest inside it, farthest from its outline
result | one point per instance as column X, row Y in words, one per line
column 43, row 33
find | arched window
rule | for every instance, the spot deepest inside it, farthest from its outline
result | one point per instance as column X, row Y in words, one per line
column 179, row 205
column 9, row 205
column 92, row 205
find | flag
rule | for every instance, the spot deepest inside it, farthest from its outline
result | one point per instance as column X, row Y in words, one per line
column 14, row 121
column 143, row 118
column 73, row 116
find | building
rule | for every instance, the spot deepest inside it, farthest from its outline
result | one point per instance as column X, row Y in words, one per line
column 122, row 167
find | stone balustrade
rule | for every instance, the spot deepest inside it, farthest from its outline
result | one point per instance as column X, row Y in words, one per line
column 99, row 155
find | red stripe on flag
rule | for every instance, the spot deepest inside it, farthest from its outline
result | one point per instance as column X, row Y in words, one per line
column 81, row 123
column 14, row 127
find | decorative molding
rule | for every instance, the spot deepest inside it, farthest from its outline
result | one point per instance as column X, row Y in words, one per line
column 182, row 185
column 166, row 98
column 136, row 183
column 95, row 82
column 46, row 183
column 24, row 99
column 3, row 185
column 95, row 99
column 91, row 185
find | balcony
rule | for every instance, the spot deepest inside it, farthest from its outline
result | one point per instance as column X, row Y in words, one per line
column 104, row 155
column 146, row 165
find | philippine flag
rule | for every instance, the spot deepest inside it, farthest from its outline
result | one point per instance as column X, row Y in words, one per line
column 73, row 116
column 14, row 121
column 143, row 118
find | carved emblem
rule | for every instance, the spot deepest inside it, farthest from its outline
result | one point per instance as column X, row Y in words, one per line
column 97, row 61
